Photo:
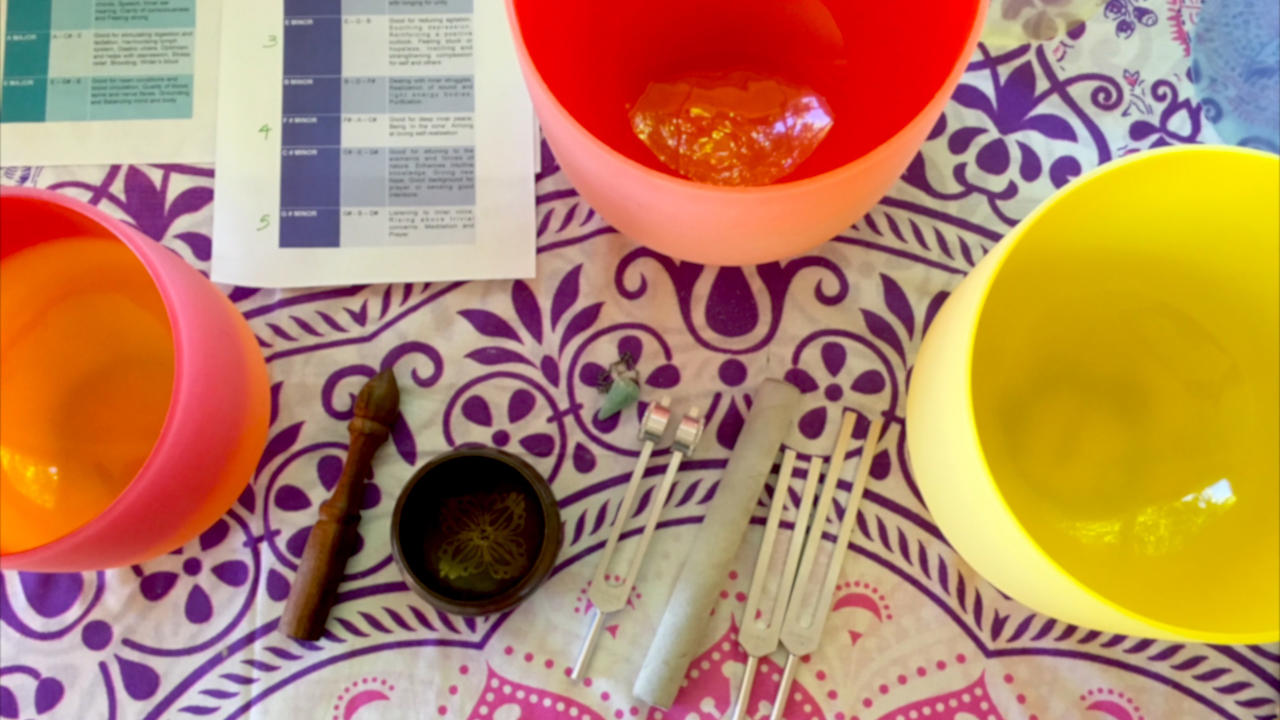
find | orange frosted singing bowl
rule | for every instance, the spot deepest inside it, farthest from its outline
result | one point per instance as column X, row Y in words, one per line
column 886, row 69
column 133, row 396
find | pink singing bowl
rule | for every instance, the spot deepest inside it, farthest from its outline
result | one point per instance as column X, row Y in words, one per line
column 887, row 69
column 216, row 423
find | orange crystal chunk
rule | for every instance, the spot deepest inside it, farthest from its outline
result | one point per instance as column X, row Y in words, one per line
column 738, row 128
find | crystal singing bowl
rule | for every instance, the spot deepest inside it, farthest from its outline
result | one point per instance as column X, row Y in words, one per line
column 886, row 69
column 215, row 424
column 1092, row 417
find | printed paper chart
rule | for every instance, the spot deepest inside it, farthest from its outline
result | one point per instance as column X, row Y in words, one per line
column 372, row 141
column 378, row 143
column 77, row 60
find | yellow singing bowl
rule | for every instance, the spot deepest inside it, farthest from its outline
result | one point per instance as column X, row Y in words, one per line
column 1094, row 416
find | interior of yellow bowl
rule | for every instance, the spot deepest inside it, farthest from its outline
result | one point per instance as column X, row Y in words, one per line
column 1125, row 386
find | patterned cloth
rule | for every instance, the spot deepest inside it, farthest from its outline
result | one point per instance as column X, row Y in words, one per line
column 915, row 632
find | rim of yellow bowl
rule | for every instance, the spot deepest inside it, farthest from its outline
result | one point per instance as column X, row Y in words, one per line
column 1014, row 236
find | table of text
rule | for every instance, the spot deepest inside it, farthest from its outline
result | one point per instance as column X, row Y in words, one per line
column 68, row 60
column 378, row 143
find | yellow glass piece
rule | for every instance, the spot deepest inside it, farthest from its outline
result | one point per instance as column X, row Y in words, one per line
column 483, row 535
column 34, row 481
column 738, row 128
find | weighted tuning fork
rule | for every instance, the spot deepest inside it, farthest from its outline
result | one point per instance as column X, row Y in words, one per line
column 609, row 591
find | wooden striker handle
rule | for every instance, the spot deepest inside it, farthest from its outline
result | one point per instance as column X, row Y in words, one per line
column 331, row 540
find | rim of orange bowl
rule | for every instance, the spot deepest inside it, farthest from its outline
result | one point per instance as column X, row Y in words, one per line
column 1014, row 237
column 934, row 106
column 177, row 394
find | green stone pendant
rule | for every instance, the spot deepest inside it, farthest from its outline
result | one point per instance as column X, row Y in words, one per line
column 623, row 393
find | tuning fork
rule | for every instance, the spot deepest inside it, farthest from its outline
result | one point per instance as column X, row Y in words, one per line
column 759, row 634
column 609, row 593
column 809, row 604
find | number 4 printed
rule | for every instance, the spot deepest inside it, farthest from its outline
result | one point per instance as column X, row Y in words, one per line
column 265, row 130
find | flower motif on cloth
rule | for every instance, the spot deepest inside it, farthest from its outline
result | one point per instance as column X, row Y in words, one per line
column 155, row 583
column 1106, row 703
column 41, row 694
column 1183, row 16
column 970, row 701
column 483, row 536
column 1128, row 15
column 712, row 681
column 360, row 693
column 934, row 691
column 501, row 696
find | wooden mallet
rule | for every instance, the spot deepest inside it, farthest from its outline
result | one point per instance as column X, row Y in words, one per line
column 324, row 559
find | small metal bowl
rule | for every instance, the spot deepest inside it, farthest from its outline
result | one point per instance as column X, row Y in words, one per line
column 475, row 531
